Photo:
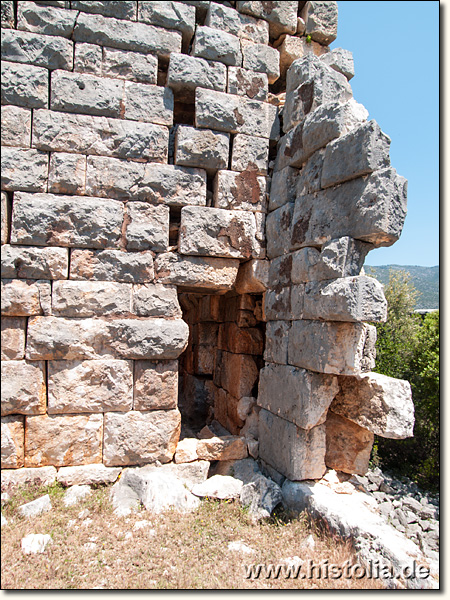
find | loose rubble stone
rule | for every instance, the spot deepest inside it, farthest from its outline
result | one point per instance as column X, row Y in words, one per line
column 35, row 543
column 149, row 103
column 140, row 437
column 112, row 265
column 321, row 21
column 186, row 451
column 196, row 272
column 261, row 59
column 36, row 507
column 261, row 496
column 253, row 277
column 23, row 387
column 50, row 52
column 25, row 298
column 283, row 188
column 217, row 45
column 240, row 547
column 124, row 499
column 75, row 493
column 221, row 448
column 186, row 73
column 87, row 475
column 13, row 338
column 227, row 19
column 170, row 15
column 89, row 386
column 132, row 66
column 340, row 60
column 16, row 126
column 250, row 154
column 38, row 476
column 282, row 17
column 248, row 83
column 240, row 191
column 45, row 19
column 12, row 447
column 221, row 487
column 156, row 385
column 67, row 173
column 147, row 227
column 88, row 59
column 201, row 148
column 348, row 445
column 90, row 298
column 25, row 170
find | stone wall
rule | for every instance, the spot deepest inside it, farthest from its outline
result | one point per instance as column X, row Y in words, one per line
column 194, row 180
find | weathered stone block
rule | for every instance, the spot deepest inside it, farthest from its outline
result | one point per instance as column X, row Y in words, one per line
column 49, row 220
column 156, row 385
column 89, row 386
column 222, row 448
column 90, row 298
column 278, row 305
column 381, row 404
column 240, row 191
column 67, row 173
column 291, row 151
column 348, row 445
column 310, row 174
column 339, row 348
column 292, row 48
column 140, row 437
column 279, row 230
column 34, row 263
column 132, row 66
column 12, row 454
column 13, row 338
column 25, row 298
column 240, row 340
column 50, row 52
column 24, row 85
column 341, row 61
column 45, row 19
column 321, row 18
column 88, row 134
column 37, row 476
column 87, row 475
column 228, row 19
column 88, row 59
column 196, row 272
column 23, row 387
column 149, row 103
column 282, row 16
column 299, row 396
column 217, row 45
column 360, row 152
column 238, row 374
column 280, row 271
column 120, row 9
column 201, row 148
column 248, row 83
column 217, row 232
column 253, row 277
column 283, row 187
column 250, row 154
column 277, row 337
column 147, row 227
column 125, row 35
column 170, row 15
column 186, row 73
column 261, row 59
column 7, row 14
column 112, row 265
column 16, row 126
column 294, row 452
column 155, row 300
column 63, row 440
column 25, row 170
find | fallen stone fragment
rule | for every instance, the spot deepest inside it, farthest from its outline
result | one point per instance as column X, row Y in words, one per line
column 240, row 547
column 75, row 493
column 261, row 496
column 124, row 499
column 36, row 507
column 35, row 543
column 222, row 448
column 87, row 475
column 186, row 451
column 4, row 520
column 221, row 487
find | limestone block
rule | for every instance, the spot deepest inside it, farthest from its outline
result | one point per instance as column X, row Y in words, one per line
column 248, row 83
column 348, row 445
column 186, row 73
column 299, row 396
column 170, row 15
column 222, row 448
column 217, row 232
column 24, row 85
column 90, row 298
column 280, row 271
column 89, row 386
column 360, row 152
column 283, row 187
column 371, row 209
column 50, row 52
column 291, row 151
column 339, row 348
column 25, row 170
column 277, row 337
column 253, row 277
column 186, row 451
column 88, row 94
column 201, row 148
column 34, row 263
column 112, row 265
column 87, row 475
column 240, row 340
column 13, row 338
column 96, row 338
column 279, row 230
column 39, row 476
column 120, row 9
column 125, row 35
column 23, row 387
column 63, row 440
column 155, row 300
column 140, row 437
column 240, row 191
column 294, row 452
column 67, row 173
column 196, row 272
column 156, row 385
column 7, row 8
column 235, row 114
column 278, row 305
column 238, row 374
column 217, row 45
column 12, row 453
column 49, row 220
column 321, row 19
column 25, row 297
column 88, row 59
column 45, row 19
column 16, row 126
column 250, row 154
column 341, row 61
column 308, row 181
column 132, row 66
column 86, row 134
column 261, row 59
column 147, row 227
column 228, row 19
column 282, row 16
column 381, row 404
column 149, row 103
column 292, row 48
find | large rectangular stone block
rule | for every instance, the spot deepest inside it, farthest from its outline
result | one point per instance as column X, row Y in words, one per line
column 340, row 60
column 147, row 227
column 13, row 338
column 63, row 440
column 25, row 297
column 236, row 373
column 261, row 59
column 228, row 19
column 170, row 15
column 196, row 272
column 90, row 298
column 279, row 230
column 250, row 154
column 217, row 232
column 120, row 9
column 155, row 300
column 321, row 19
column 67, row 174
column 24, row 390
column 49, row 220
column 240, row 191
column 283, row 187
column 89, row 386
column 88, row 59
column 240, row 340
column 248, row 83
column 156, row 385
column 201, row 148
column 123, row 64
column 86, row 134
column 136, row 438
column 34, row 263
column 25, row 170
column 277, row 337
column 281, row 16
column 339, row 348
column 186, row 73
column 149, row 103
column 24, row 85
column 16, row 126
column 294, row 452
column 48, row 51
column 112, row 265
column 45, row 19
column 217, row 45
column 12, row 451
column 253, row 277
column 348, row 445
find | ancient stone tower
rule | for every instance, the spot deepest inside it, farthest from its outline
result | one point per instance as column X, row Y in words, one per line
column 189, row 194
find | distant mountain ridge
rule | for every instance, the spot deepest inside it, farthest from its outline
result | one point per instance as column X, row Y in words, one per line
column 424, row 279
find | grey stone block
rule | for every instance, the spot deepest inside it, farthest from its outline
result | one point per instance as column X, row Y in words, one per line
column 88, row 59
column 155, row 300
column 196, row 272
column 169, row 15
column 186, row 73
column 279, row 230
column 227, row 19
column 149, row 103
column 7, row 14
column 132, row 66
column 250, row 154
column 214, row 44
column 240, row 191
column 321, row 19
column 90, row 298
column 261, row 59
column 25, row 170
column 112, row 265
column 120, row 9
column 67, row 174
column 34, row 263
column 45, row 19
column 24, row 85
column 16, row 126
column 248, row 83
column 277, row 304
column 147, row 227
column 342, row 61
column 282, row 16
column 51, row 52
column 201, row 148
column 283, row 187
column 277, row 335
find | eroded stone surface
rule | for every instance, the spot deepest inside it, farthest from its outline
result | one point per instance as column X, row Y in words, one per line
column 48, row 51
column 12, row 446
column 24, row 390
column 13, row 338
column 186, row 73
column 16, row 126
column 24, row 169
column 240, row 191
column 25, row 297
column 87, row 475
column 156, row 385
column 201, row 148
column 348, row 445
column 112, row 265
column 90, row 298
column 217, row 45
column 199, row 272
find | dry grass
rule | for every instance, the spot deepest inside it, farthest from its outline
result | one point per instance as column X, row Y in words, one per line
column 173, row 552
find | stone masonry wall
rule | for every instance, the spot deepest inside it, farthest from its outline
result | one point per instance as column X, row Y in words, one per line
column 208, row 154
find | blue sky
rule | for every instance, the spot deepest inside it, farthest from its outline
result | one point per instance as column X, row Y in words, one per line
column 395, row 46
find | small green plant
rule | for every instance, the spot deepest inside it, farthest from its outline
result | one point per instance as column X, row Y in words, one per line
column 308, row 39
